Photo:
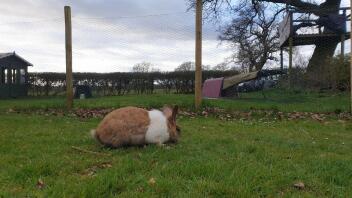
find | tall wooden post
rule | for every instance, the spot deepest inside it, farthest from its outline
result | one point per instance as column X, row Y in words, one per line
column 290, row 61
column 351, row 63
column 68, row 39
column 198, row 72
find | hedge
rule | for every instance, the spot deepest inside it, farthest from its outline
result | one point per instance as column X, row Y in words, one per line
column 108, row 84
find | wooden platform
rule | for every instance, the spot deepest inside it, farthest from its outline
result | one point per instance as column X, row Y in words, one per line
column 312, row 39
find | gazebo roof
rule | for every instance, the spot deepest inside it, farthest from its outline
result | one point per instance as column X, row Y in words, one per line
column 6, row 56
column 2, row 55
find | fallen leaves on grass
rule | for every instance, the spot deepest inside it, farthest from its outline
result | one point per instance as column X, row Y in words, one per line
column 222, row 114
column 205, row 113
column 91, row 171
column 299, row 185
column 40, row 184
column 140, row 189
column 11, row 111
column 151, row 181
column 92, row 113
column 318, row 117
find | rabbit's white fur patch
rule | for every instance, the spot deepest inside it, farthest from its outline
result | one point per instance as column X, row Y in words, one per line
column 157, row 132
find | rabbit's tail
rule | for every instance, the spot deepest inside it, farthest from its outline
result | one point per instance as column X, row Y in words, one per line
column 94, row 135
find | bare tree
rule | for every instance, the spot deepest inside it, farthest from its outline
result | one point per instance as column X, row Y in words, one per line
column 142, row 67
column 253, row 35
column 155, row 69
column 206, row 67
column 190, row 66
column 186, row 66
column 221, row 67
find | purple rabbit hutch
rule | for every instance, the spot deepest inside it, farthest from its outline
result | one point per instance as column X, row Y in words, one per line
column 212, row 88
column 227, row 86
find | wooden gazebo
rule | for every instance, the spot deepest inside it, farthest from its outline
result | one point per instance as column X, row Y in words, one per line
column 13, row 75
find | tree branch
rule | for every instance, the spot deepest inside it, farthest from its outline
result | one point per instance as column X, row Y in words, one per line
column 296, row 3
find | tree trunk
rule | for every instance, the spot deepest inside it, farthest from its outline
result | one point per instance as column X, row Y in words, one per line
column 324, row 51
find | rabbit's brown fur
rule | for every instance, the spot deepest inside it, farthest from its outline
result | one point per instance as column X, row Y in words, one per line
column 136, row 126
column 125, row 126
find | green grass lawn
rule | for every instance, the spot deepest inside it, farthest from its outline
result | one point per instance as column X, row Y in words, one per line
column 214, row 159
column 281, row 100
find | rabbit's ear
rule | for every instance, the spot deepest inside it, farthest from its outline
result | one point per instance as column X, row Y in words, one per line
column 168, row 112
column 174, row 113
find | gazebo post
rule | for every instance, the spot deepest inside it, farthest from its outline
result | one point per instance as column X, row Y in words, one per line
column 9, row 76
column 1, row 75
column 18, row 76
column 13, row 76
column 26, row 77
column 25, row 83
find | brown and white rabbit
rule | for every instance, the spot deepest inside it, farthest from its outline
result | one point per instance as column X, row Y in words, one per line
column 130, row 126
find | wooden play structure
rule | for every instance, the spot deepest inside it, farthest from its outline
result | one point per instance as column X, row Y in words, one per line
column 333, row 22
column 330, row 25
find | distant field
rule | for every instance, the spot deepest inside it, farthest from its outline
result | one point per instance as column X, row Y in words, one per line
column 274, row 99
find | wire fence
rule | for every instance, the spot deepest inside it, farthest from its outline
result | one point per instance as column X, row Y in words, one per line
column 162, row 42
column 113, row 44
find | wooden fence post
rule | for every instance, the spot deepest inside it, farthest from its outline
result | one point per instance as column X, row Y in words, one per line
column 290, row 63
column 68, row 45
column 351, row 62
column 198, row 61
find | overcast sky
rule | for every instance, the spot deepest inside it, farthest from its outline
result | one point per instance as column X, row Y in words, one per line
column 108, row 35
